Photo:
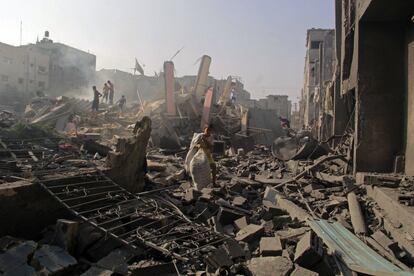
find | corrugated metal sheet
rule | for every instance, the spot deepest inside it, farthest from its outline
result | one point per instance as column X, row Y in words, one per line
column 352, row 251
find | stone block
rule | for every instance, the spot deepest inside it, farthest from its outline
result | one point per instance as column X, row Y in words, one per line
column 266, row 266
column 308, row 250
column 250, row 233
column 241, row 223
column 270, row 246
column 301, row 271
column 50, row 260
column 228, row 216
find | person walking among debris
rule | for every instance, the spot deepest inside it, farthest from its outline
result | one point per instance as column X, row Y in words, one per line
column 95, row 102
column 284, row 122
column 121, row 103
column 111, row 92
column 105, row 92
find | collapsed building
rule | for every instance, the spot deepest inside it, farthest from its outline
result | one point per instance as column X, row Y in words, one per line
column 110, row 193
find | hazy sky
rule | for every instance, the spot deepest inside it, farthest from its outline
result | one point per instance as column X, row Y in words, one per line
column 262, row 41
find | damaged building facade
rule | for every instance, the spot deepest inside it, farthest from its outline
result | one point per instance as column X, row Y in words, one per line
column 373, row 83
column 23, row 70
column 318, row 72
column 45, row 66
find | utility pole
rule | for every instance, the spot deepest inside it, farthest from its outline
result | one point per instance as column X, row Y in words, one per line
column 21, row 31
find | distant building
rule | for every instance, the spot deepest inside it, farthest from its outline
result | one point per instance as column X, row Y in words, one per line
column 46, row 66
column 69, row 68
column 149, row 87
column 278, row 103
column 23, row 69
column 318, row 71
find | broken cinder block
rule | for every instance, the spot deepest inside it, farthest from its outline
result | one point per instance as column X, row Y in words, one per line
column 308, row 250
column 250, row 232
column 270, row 246
column 264, row 266
column 50, row 260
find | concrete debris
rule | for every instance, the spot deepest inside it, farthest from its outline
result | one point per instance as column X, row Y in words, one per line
column 265, row 266
column 308, row 250
column 270, row 246
column 133, row 190
column 50, row 260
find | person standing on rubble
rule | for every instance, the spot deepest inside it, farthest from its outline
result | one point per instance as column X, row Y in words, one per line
column 121, row 103
column 206, row 144
column 105, row 92
column 95, row 102
column 111, row 92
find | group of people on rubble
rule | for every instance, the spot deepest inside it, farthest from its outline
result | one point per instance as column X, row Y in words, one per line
column 107, row 95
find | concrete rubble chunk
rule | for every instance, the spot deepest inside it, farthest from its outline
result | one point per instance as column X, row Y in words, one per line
column 270, row 246
column 385, row 241
column 250, row 232
column 219, row 258
column 311, row 187
column 301, row 271
column 116, row 261
column 292, row 233
column 239, row 201
column 227, row 216
column 267, row 266
column 50, row 260
column 66, row 232
column 234, row 249
column 241, row 222
column 295, row 211
column 14, row 260
column 357, row 217
column 127, row 163
column 97, row 271
column 308, row 250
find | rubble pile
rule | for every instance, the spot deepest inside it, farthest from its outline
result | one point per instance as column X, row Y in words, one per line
column 115, row 195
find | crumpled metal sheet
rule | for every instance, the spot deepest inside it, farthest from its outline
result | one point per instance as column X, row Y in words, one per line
column 355, row 254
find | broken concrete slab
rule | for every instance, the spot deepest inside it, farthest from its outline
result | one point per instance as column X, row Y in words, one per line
column 10, row 266
column 66, row 232
column 301, row 271
column 385, row 242
column 239, row 201
column 265, row 266
column 49, row 260
column 14, row 260
column 127, row 164
column 294, row 210
column 117, row 260
column 308, row 250
column 250, row 233
column 228, row 216
column 375, row 179
column 97, row 271
column 270, row 246
column 234, row 249
column 292, row 233
column 387, row 199
column 241, row 222
column 218, row 259
column 357, row 217
column 311, row 187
